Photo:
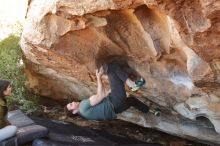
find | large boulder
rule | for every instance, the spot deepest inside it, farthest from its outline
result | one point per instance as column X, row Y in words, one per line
column 174, row 45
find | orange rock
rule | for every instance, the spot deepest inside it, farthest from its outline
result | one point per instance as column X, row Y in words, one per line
column 174, row 45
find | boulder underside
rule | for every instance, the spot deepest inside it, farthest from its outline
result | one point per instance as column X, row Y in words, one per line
column 173, row 45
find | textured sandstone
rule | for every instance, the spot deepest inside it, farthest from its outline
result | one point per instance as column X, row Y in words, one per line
column 174, row 45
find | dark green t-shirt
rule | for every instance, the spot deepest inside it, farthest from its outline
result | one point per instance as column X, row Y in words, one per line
column 102, row 111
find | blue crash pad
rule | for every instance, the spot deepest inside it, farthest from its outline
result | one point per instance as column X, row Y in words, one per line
column 27, row 129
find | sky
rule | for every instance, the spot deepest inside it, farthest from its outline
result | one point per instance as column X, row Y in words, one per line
column 11, row 11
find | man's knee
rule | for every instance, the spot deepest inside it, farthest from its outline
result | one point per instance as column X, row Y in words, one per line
column 112, row 67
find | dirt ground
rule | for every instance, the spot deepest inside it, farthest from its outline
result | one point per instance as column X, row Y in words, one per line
column 55, row 110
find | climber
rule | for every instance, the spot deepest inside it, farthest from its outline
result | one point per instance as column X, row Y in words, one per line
column 102, row 106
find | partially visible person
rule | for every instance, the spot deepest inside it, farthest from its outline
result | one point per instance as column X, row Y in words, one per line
column 6, row 131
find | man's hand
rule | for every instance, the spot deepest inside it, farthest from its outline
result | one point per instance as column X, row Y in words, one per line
column 96, row 99
column 99, row 72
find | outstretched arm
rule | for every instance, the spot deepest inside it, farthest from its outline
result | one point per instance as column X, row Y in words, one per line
column 96, row 99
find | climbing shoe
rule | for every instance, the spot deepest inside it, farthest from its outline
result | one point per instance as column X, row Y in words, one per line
column 155, row 112
column 138, row 83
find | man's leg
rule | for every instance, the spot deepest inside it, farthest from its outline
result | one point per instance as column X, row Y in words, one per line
column 114, row 68
column 117, row 78
column 132, row 101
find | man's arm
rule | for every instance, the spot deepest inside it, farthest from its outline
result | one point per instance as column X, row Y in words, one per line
column 95, row 99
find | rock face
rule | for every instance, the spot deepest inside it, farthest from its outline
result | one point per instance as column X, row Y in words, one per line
column 174, row 45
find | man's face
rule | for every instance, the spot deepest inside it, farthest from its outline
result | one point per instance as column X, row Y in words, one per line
column 72, row 106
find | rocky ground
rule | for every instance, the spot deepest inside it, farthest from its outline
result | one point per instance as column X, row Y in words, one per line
column 55, row 110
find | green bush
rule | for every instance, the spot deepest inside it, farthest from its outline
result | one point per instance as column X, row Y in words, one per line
column 11, row 69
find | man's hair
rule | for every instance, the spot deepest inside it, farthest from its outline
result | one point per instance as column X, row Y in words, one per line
column 3, row 86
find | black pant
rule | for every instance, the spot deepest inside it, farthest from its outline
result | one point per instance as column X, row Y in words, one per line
column 117, row 78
